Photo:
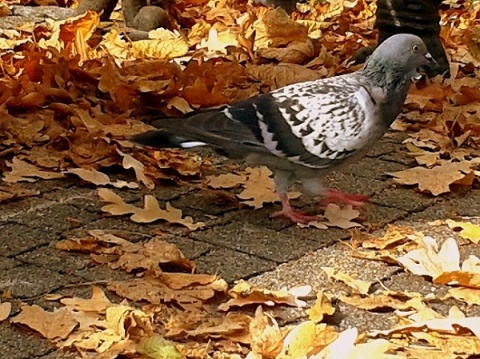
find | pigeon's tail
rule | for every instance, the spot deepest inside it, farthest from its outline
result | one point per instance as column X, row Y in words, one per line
column 164, row 139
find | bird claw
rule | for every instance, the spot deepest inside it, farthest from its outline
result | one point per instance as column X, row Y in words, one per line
column 295, row 216
column 333, row 196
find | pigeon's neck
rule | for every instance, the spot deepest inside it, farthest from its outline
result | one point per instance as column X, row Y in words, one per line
column 391, row 77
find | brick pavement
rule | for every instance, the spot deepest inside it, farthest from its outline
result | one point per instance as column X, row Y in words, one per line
column 237, row 243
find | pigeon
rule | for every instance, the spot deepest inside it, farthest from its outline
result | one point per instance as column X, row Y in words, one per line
column 305, row 130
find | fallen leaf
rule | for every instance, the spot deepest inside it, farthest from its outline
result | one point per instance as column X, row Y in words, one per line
column 100, row 179
column 436, row 180
column 23, row 171
column 259, row 188
column 358, row 285
column 432, row 260
column 298, row 341
column 321, row 307
column 97, row 303
column 267, row 336
column 51, row 325
column 5, row 310
column 468, row 231
column 243, row 294
column 150, row 213
column 139, row 168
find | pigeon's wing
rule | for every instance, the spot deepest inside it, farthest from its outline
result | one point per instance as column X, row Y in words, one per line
column 314, row 124
column 322, row 123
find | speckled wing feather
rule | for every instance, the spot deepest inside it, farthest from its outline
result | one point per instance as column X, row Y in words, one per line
column 316, row 124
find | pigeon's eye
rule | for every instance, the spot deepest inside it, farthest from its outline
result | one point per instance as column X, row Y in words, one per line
column 415, row 48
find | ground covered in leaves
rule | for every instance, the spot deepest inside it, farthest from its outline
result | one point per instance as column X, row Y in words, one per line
column 73, row 91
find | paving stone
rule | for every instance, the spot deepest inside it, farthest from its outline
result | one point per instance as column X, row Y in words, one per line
column 17, row 238
column 452, row 206
column 7, row 263
column 403, row 198
column 373, row 168
column 354, row 183
column 307, row 270
column 322, row 237
column 364, row 321
column 56, row 218
column 207, row 201
column 378, row 216
column 255, row 240
column 232, row 265
column 28, row 281
column 65, row 263
column 16, row 343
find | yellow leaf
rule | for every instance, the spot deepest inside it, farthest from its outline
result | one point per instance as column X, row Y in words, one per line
column 298, row 342
column 322, row 307
column 468, row 231
column 360, row 286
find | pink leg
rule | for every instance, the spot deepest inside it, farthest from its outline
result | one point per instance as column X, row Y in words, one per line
column 333, row 196
column 293, row 215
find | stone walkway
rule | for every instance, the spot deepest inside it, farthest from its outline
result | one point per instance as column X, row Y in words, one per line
column 238, row 243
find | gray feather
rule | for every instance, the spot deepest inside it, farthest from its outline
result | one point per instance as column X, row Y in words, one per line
column 304, row 130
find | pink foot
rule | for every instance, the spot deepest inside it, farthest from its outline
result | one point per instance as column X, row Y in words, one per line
column 295, row 216
column 333, row 196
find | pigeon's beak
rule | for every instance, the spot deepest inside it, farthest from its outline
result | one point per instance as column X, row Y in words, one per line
column 430, row 59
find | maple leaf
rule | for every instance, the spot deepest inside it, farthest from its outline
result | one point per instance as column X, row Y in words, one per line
column 436, row 180
column 97, row 303
column 432, row 260
column 150, row 213
column 51, row 325
column 259, row 188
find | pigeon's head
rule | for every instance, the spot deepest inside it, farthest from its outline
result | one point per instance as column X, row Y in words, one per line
column 401, row 53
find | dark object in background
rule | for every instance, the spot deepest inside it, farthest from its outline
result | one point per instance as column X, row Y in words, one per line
column 106, row 6
column 418, row 17
column 288, row 5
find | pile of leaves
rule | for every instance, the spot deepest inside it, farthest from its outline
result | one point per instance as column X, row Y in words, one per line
column 169, row 312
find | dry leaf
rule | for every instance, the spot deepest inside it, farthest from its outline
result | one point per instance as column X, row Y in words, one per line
column 358, row 285
column 51, row 325
column 99, row 178
column 244, row 293
column 322, row 307
column 130, row 162
column 259, row 188
column 23, row 171
column 436, row 180
column 430, row 260
column 468, row 231
column 5, row 310
column 150, row 213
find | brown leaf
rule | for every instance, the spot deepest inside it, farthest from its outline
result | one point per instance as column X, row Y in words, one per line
column 243, row 294
column 150, row 213
column 5, row 310
column 51, row 325
column 436, row 180
column 23, row 171
column 99, row 178
column 259, row 188
column 130, row 162
column 97, row 303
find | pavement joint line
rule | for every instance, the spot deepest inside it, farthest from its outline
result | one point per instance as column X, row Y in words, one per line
column 231, row 248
